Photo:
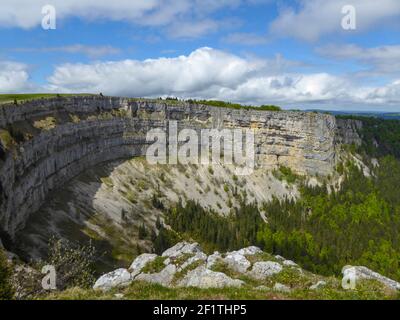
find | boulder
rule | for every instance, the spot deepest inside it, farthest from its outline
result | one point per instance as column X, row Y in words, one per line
column 237, row 262
column 201, row 277
column 199, row 256
column 116, row 278
column 281, row 288
column 164, row 277
column 290, row 263
column 263, row 288
column 361, row 272
column 182, row 248
column 249, row 251
column 140, row 262
column 212, row 259
column 264, row 269
column 318, row 285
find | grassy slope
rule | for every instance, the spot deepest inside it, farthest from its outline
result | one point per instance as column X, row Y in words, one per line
column 145, row 291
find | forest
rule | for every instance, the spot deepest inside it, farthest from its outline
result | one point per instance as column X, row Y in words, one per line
column 324, row 229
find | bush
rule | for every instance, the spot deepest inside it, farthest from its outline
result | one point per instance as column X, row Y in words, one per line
column 74, row 263
column 6, row 288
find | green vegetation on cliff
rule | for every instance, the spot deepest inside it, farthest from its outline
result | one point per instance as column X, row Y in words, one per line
column 323, row 231
column 6, row 288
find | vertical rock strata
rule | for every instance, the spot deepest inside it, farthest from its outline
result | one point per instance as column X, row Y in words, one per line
column 92, row 129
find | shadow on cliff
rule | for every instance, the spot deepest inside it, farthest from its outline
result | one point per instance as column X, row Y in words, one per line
column 67, row 214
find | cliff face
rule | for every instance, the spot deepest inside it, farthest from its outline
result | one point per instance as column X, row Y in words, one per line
column 86, row 131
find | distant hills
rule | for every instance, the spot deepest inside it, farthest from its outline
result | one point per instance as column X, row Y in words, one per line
column 376, row 114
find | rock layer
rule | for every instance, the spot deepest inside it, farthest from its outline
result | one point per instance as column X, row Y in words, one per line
column 91, row 130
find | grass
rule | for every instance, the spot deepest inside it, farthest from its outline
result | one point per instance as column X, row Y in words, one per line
column 6, row 139
column 10, row 98
column 107, row 181
column 7, row 98
column 369, row 290
column 285, row 173
column 155, row 266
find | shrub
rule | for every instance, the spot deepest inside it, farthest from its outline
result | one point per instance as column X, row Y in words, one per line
column 74, row 263
column 6, row 288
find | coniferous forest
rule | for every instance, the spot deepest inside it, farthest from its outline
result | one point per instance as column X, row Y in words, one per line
column 324, row 229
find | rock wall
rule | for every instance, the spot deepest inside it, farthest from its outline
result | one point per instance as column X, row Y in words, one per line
column 348, row 131
column 92, row 129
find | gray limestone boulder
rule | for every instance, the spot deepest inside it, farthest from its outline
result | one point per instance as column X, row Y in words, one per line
column 116, row 278
column 264, row 269
column 237, row 262
column 182, row 248
column 164, row 277
column 361, row 272
column 201, row 277
column 289, row 263
column 318, row 285
column 140, row 262
column 199, row 256
column 213, row 259
column 249, row 251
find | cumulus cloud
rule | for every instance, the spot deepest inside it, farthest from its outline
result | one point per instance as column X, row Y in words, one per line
column 90, row 51
column 13, row 77
column 203, row 69
column 244, row 38
column 316, row 18
column 213, row 74
column 379, row 60
column 27, row 13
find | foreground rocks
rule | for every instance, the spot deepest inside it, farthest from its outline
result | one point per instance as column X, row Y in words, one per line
column 265, row 269
column 361, row 272
column 204, row 278
column 117, row 278
column 186, row 265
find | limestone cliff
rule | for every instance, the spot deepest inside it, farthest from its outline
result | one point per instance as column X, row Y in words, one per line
column 52, row 140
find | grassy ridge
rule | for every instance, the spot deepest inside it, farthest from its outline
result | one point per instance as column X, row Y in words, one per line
column 7, row 98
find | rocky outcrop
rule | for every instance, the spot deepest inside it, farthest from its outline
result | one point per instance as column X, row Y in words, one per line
column 319, row 285
column 88, row 130
column 140, row 262
column 360, row 272
column 204, row 278
column 348, row 131
column 189, row 266
column 116, row 278
column 164, row 277
column 264, row 269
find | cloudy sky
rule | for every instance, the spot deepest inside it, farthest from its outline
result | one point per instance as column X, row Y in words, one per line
column 293, row 53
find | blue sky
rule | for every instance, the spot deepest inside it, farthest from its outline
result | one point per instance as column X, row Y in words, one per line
column 291, row 53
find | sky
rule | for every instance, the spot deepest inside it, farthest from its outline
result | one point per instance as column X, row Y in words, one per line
column 298, row 54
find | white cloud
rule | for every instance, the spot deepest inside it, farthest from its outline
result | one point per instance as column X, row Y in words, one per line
column 90, row 51
column 13, row 77
column 378, row 60
column 27, row 13
column 183, row 75
column 316, row 18
column 247, row 39
column 193, row 29
column 213, row 74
